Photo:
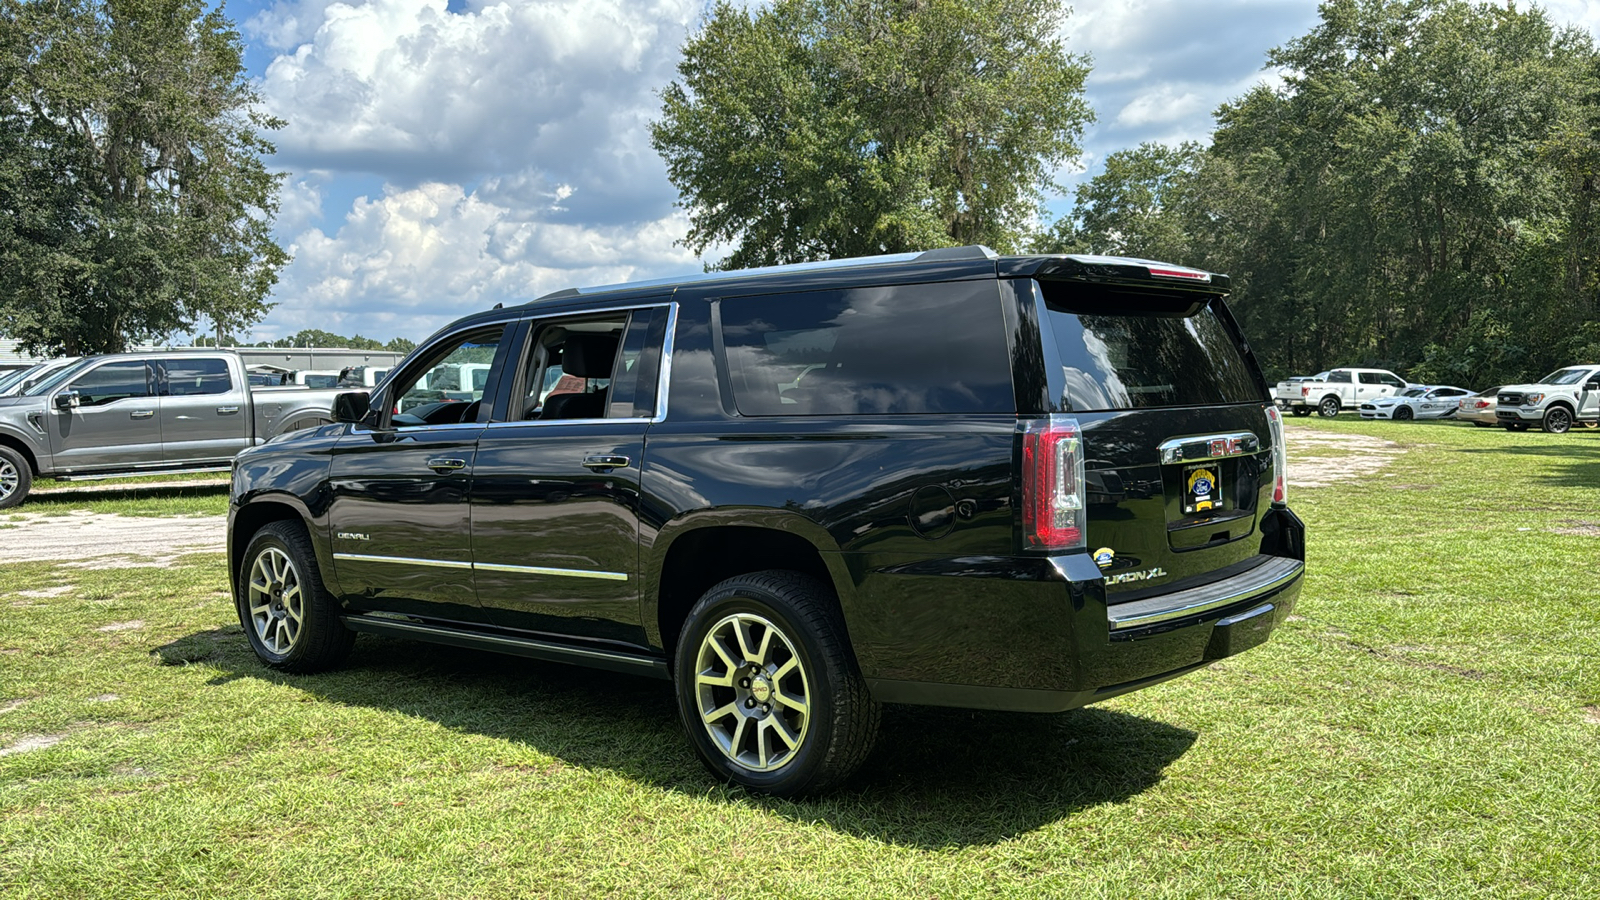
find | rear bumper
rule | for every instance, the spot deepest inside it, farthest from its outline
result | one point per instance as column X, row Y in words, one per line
column 1082, row 650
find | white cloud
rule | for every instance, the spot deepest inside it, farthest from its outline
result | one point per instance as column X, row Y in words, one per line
column 412, row 260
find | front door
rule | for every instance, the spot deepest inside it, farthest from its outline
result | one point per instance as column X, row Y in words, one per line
column 115, row 422
column 400, row 522
column 555, row 521
column 204, row 414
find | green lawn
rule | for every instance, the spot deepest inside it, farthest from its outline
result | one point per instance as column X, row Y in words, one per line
column 1429, row 725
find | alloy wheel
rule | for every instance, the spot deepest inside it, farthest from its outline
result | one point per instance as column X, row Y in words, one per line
column 1556, row 421
column 277, row 600
column 752, row 692
column 10, row 478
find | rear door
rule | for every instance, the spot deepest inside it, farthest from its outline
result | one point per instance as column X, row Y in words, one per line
column 115, row 423
column 1175, row 430
column 555, row 494
column 204, row 417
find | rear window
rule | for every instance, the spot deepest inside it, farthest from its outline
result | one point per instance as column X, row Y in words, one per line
column 924, row 348
column 1136, row 360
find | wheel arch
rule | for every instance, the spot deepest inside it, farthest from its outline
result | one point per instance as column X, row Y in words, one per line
column 261, row 512
column 15, row 443
column 705, row 550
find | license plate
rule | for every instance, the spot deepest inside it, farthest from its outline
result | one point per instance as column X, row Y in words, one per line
column 1202, row 488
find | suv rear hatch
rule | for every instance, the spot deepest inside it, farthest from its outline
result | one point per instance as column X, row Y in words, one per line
column 1176, row 424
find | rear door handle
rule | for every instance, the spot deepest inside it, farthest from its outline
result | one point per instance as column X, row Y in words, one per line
column 446, row 465
column 227, row 410
column 602, row 463
column 141, row 414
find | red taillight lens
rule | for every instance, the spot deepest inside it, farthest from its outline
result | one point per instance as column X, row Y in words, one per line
column 1305, row 392
column 1053, row 484
column 1280, row 457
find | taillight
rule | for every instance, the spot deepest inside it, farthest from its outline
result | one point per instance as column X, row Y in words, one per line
column 1280, row 458
column 1305, row 392
column 1052, row 484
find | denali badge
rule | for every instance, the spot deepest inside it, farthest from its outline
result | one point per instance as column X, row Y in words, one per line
column 1146, row 575
column 351, row 536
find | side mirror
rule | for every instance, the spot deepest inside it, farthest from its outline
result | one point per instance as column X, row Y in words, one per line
column 1592, row 386
column 67, row 400
column 351, row 406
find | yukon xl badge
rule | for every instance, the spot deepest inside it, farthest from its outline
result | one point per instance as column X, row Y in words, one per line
column 1146, row 575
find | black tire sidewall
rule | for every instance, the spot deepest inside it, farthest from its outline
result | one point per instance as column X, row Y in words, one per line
column 1563, row 422
column 289, row 538
column 799, row 773
column 24, row 478
column 1322, row 408
column 1403, row 414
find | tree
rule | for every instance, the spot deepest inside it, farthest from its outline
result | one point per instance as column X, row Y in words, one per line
column 133, row 196
column 400, row 345
column 831, row 128
column 1135, row 207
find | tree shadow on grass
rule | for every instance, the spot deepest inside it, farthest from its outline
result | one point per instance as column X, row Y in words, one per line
column 939, row 778
column 1581, row 462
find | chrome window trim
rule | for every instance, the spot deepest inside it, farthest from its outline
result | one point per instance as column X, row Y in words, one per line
column 487, row 567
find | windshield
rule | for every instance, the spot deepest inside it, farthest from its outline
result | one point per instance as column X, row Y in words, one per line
column 1564, row 376
column 1414, row 392
column 55, row 380
column 12, row 378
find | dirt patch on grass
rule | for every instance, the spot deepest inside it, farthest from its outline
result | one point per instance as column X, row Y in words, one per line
column 1353, row 456
column 106, row 541
column 122, row 626
column 1585, row 529
column 1591, row 715
column 43, row 593
column 33, row 742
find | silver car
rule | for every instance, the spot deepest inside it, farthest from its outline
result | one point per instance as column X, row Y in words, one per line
column 1479, row 408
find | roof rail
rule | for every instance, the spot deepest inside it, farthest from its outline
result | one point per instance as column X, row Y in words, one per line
column 952, row 254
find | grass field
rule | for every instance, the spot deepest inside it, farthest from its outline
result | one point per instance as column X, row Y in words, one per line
column 1428, row 726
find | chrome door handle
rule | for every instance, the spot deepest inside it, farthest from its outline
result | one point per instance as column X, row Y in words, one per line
column 446, row 465
column 141, row 414
column 227, row 410
column 605, row 463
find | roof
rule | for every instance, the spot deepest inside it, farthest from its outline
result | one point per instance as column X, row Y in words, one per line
column 1088, row 267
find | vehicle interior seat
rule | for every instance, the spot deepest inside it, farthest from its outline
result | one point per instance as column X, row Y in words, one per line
column 584, row 356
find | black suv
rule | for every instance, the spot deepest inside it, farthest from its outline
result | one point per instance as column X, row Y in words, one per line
column 1019, row 483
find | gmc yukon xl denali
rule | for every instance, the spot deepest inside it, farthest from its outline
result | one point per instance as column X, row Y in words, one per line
column 1017, row 483
column 143, row 414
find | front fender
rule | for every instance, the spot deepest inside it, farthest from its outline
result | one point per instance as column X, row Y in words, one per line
column 13, row 431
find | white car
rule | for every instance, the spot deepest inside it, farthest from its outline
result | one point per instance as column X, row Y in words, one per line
column 1420, row 402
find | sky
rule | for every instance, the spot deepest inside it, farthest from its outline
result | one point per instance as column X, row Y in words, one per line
column 446, row 155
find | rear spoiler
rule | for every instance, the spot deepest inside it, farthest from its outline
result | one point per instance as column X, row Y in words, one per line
column 1118, row 270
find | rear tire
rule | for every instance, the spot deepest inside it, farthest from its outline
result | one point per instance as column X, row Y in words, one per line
column 290, row 619
column 768, row 688
column 1557, row 420
column 1328, row 408
column 1483, row 424
column 16, row 478
column 1516, row 426
column 1300, row 412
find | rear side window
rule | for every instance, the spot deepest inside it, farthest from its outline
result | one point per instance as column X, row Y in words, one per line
column 192, row 377
column 1138, row 360
column 925, row 348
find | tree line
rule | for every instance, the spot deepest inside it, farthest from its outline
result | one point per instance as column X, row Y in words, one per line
column 1418, row 193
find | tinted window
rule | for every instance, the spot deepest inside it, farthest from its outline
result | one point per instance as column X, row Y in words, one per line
column 1372, row 378
column 193, row 377
column 1339, row 377
column 112, row 382
column 442, row 392
column 936, row 348
column 1137, row 361
column 1391, row 380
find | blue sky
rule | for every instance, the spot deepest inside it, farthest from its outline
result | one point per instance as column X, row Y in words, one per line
column 446, row 155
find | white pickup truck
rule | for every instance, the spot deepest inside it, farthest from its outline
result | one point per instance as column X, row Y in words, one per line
column 144, row 413
column 1328, row 392
column 1554, row 402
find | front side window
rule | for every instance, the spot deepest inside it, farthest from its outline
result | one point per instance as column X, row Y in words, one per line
column 923, row 348
column 448, row 389
column 195, row 377
column 112, row 382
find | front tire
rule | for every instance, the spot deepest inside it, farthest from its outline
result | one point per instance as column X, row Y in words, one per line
column 1403, row 414
column 16, row 478
column 768, row 688
column 1328, row 408
column 290, row 619
column 1557, row 420
column 1516, row 426
column 1300, row 412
